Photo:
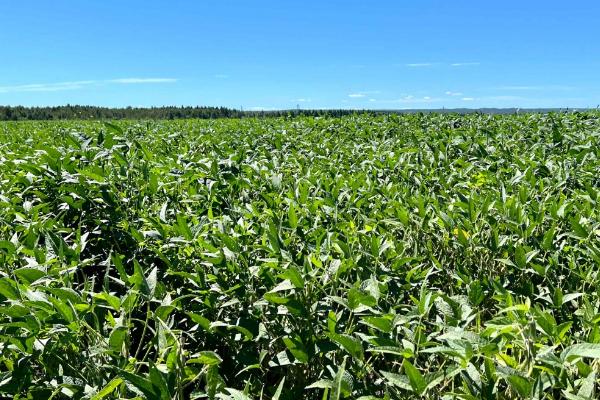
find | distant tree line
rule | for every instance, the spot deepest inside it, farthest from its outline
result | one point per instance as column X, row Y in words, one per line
column 19, row 113
column 69, row 112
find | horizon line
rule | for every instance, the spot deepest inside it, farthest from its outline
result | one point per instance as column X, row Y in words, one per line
column 268, row 109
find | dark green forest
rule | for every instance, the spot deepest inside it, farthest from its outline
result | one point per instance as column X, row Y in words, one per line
column 78, row 112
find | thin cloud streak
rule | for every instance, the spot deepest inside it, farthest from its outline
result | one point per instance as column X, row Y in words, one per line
column 75, row 85
column 431, row 64
column 464, row 64
column 363, row 93
column 412, row 100
column 46, row 87
column 418, row 65
column 142, row 80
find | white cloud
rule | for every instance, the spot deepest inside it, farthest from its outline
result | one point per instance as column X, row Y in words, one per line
column 46, row 87
column 468, row 98
column 372, row 100
column 450, row 93
column 417, row 65
column 431, row 64
column 464, row 64
column 73, row 85
column 142, row 80
column 409, row 99
column 302, row 100
column 363, row 93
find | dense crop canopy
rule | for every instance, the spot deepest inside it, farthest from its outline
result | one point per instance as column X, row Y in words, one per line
column 362, row 257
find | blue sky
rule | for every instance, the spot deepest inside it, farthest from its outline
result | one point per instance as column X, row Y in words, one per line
column 311, row 54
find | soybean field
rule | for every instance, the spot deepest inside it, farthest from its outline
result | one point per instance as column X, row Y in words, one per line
column 362, row 257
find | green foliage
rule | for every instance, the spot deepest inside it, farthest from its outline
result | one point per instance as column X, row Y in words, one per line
column 362, row 257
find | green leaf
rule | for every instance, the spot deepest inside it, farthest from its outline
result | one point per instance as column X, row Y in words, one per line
column 292, row 218
column 331, row 321
column 579, row 230
column 283, row 286
column 234, row 394
column 113, row 128
column 297, row 349
column 293, row 305
column 63, row 309
column 547, row 242
column 562, row 329
column 200, row 320
column 417, row 382
column 349, row 343
column 8, row 289
column 293, row 275
column 143, row 384
column 139, row 280
column 159, row 382
column 206, row 358
column 570, row 297
column 380, row 323
column 108, row 389
column 520, row 257
column 588, row 386
column 29, row 275
column 357, row 298
column 8, row 247
column 214, row 382
column 92, row 176
column 336, row 390
column 476, row 294
column 273, row 235
column 151, row 280
column 279, row 390
column 321, row 384
column 112, row 301
column 587, row 350
column 183, row 228
column 118, row 263
column 520, row 384
column 400, row 381
column 117, row 337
